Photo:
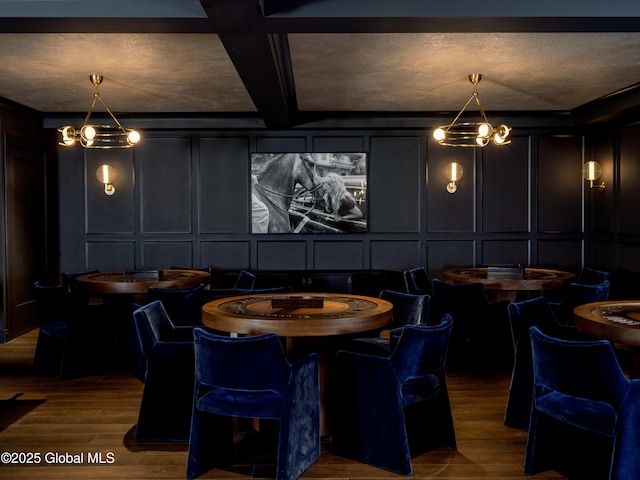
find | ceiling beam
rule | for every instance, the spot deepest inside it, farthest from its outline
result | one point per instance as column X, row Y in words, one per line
column 263, row 63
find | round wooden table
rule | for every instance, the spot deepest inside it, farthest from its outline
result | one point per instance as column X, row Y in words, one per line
column 339, row 315
column 306, row 329
column 139, row 283
column 614, row 320
column 506, row 287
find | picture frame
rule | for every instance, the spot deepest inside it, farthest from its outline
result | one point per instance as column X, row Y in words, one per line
column 307, row 192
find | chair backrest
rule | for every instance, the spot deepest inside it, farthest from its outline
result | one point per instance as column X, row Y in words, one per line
column 261, row 291
column 528, row 313
column 417, row 281
column 458, row 299
column 51, row 302
column 408, row 309
column 184, row 306
column 69, row 280
column 421, row 349
column 590, row 276
column 244, row 363
column 152, row 325
column 579, row 294
column 246, row 280
column 586, row 369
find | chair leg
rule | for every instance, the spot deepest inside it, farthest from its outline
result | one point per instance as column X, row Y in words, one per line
column 210, row 442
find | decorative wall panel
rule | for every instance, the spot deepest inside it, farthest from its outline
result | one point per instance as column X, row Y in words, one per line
column 114, row 213
column 394, row 255
column 225, row 255
column 506, row 187
column 339, row 144
column 443, row 255
column 155, row 254
column 450, row 212
column 559, row 184
column 506, row 251
column 166, row 171
column 109, row 256
column 629, row 218
column 282, row 255
column 224, row 185
column 560, row 254
column 328, row 255
column 395, row 182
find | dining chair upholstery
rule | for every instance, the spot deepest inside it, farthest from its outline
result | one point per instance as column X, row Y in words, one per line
column 393, row 408
column 250, row 377
column 578, row 294
column 69, row 285
column 417, row 281
column 481, row 336
column 184, row 306
column 522, row 316
column 246, row 280
column 591, row 276
column 580, row 397
column 165, row 409
column 408, row 309
column 73, row 340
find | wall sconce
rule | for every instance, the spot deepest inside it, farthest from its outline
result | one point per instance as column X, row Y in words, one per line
column 454, row 174
column 108, row 175
column 591, row 171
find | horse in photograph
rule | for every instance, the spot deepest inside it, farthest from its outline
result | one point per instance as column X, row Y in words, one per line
column 274, row 185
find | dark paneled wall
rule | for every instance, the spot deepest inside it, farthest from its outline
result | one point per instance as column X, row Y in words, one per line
column 183, row 198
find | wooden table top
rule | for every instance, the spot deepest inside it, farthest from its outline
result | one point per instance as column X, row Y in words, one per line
column 614, row 320
column 532, row 280
column 340, row 314
column 116, row 283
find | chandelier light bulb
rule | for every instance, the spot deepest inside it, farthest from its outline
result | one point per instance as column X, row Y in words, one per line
column 484, row 129
column 88, row 132
column 133, row 136
column 438, row 134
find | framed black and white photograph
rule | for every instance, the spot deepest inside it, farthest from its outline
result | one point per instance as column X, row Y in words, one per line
column 309, row 192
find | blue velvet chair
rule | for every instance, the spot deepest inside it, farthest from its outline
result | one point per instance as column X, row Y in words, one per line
column 74, row 339
column 578, row 294
column 591, row 276
column 584, row 410
column 250, row 377
column 417, row 281
column 246, row 280
column 481, row 336
column 522, row 316
column 393, row 408
column 165, row 409
column 184, row 306
column 408, row 309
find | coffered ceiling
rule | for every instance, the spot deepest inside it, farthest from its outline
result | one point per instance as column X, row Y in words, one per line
column 288, row 60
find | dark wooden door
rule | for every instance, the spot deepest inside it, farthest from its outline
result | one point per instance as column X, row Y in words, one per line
column 25, row 233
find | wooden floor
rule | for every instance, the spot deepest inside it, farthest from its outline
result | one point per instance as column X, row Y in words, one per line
column 95, row 417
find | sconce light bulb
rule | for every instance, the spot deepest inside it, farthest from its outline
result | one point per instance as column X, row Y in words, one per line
column 438, row 134
column 133, row 136
column 591, row 170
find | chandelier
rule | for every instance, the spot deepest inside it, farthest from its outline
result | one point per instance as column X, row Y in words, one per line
column 472, row 134
column 99, row 136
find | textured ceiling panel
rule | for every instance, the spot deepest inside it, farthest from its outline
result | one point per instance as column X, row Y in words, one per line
column 142, row 72
column 429, row 71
